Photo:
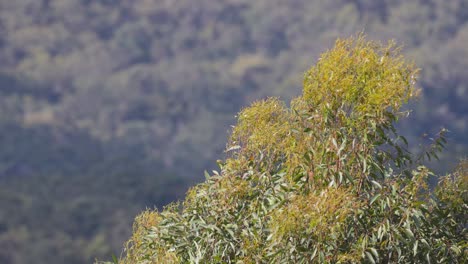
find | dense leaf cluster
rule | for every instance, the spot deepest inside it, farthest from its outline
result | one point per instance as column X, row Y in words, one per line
column 102, row 102
column 328, row 180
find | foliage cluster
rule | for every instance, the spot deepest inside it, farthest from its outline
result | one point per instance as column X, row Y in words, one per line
column 328, row 180
column 104, row 103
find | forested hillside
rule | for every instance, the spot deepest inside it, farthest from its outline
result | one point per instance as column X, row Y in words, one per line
column 111, row 106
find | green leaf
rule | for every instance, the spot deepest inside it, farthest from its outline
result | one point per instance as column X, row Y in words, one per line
column 343, row 145
column 334, row 143
column 236, row 147
column 409, row 233
column 376, row 184
column 404, row 140
column 207, row 175
column 455, row 249
column 114, row 259
column 375, row 253
column 314, row 253
column 374, row 198
column 369, row 256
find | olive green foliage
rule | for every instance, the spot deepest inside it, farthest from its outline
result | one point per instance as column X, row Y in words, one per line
column 328, row 180
column 111, row 106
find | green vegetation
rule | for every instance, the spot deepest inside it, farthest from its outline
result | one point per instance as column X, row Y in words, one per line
column 328, row 180
column 108, row 107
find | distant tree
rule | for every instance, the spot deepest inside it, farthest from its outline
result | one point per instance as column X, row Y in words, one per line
column 328, row 180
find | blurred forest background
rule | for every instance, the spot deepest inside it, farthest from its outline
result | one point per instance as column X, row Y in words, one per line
column 111, row 106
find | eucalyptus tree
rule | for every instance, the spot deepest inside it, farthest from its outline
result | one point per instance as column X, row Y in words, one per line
column 328, row 179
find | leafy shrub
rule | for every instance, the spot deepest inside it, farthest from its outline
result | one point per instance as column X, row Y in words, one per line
column 328, row 180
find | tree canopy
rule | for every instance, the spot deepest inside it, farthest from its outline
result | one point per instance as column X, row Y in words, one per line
column 111, row 106
column 326, row 180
